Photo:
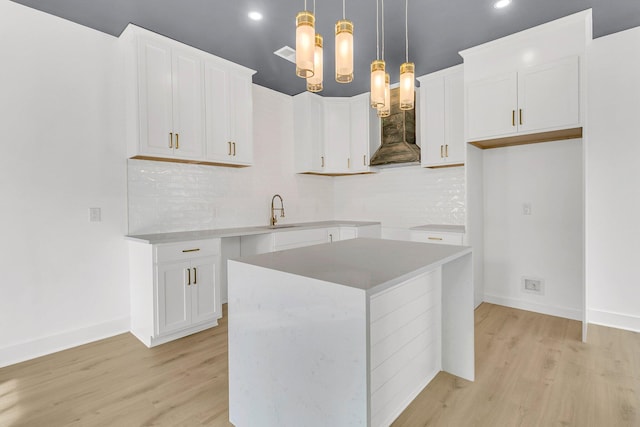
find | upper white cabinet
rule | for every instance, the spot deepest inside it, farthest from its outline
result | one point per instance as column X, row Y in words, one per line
column 184, row 104
column 229, row 106
column 332, row 135
column 535, row 99
column 442, row 118
column 170, row 100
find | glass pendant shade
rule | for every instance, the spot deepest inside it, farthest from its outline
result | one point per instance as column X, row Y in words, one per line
column 407, row 86
column 385, row 110
column 305, row 46
column 377, row 83
column 344, row 51
column 314, row 83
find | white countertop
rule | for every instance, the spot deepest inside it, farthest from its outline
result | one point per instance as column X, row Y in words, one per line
column 445, row 228
column 368, row 264
column 185, row 236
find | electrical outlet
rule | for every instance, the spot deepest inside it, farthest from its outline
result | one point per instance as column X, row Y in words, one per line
column 533, row 285
column 526, row 208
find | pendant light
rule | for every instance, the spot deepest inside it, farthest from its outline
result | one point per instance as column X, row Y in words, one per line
column 344, row 49
column 314, row 83
column 385, row 110
column 407, row 70
column 305, row 46
column 377, row 70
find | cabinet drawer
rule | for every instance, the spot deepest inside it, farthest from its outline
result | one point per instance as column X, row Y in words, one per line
column 437, row 237
column 295, row 239
column 187, row 250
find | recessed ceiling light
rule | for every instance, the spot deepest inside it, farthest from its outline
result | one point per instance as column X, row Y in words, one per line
column 501, row 3
column 256, row 16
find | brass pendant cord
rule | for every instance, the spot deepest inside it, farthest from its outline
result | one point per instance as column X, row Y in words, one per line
column 377, row 30
column 382, row 29
column 343, row 10
column 406, row 29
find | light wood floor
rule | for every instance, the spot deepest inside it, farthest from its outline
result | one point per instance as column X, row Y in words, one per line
column 531, row 370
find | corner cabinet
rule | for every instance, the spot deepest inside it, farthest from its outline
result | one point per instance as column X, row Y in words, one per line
column 333, row 135
column 175, row 289
column 541, row 98
column 185, row 105
column 442, row 118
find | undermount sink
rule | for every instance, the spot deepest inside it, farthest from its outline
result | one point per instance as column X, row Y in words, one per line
column 282, row 226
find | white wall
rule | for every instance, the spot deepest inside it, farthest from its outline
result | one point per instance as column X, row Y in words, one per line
column 167, row 197
column 63, row 280
column 547, row 244
column 613, row 181
column 402, row 197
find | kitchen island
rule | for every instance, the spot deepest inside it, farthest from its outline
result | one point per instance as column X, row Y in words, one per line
column 345, row 333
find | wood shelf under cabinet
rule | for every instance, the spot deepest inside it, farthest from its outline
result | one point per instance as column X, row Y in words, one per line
column 533, row 138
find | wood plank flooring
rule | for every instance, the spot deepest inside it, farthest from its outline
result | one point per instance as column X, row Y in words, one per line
column 531, row 370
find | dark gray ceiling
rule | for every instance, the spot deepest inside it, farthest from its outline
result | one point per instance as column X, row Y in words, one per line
column 437, row 30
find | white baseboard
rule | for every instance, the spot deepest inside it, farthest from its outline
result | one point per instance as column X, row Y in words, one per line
column 614, row 320
column 567, row 313
column 51, row 344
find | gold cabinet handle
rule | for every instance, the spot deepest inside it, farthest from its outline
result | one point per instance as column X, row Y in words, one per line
column 177, row 141
column 348, row 163
column 189, row 277
column 441, row 151
column 435, row 238
column 322, row 159
column 170, row 139
column 229, row 142
column 234, row 148
column 446, row 150
column 513, row 117
column 191, row 250
column 364, row 160
column 195, row 276
column 521, row 116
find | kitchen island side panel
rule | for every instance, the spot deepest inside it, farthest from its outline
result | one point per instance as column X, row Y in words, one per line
column 297, row 350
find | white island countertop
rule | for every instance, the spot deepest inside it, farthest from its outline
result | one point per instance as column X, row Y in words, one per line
column 184, row 236
column 443, row 228
column 368, row 264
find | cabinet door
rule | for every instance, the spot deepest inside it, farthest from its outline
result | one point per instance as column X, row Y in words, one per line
column 218, row 132
column 549, row 96
column 347, row 233
column 188, row 105
column 491, row 107
column 174, row 300
column 432, row 122
column 308, row 132
column 333, row 234
column 337, row 135
column 454, row 149
column 241, row 108
column 205, row 292
column 155, row 98
column 359, row 127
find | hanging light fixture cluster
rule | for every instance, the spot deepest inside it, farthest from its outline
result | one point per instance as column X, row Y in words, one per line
column 309, row 49
column 380, row 89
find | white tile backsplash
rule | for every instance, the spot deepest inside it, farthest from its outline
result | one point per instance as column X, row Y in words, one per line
column 403, row 197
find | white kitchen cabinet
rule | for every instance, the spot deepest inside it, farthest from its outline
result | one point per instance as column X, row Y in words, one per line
column 184, row 104
column 175, row 289
column 229, row 115
column 438, row 237
column 308, row 129
column 442, row 118
column 298, row 238
column 536, row 99
column 333, row 135
column 333, row 234
column 170, row 103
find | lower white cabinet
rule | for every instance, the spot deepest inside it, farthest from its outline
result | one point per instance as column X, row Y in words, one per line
column 175, row 289
column 439, row 237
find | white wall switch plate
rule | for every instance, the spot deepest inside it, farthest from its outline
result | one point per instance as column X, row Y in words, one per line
column 95, row 215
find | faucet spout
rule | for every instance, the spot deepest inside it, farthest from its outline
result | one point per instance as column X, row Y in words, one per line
column 274, row 218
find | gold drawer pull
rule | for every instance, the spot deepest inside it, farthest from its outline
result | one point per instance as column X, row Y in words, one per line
column 189, row 277
column 191, row 250
column 513, row 117
column 446, row 150
column 322, row 158
column 170, row 139
column 364, row 160
column 177, row 141
column 521, row 116
column 195, row 276
column 234, row 148
column 435, row 238
column 229, row 142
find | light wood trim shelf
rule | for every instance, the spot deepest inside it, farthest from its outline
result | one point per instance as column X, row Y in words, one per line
column 531, row 138
column 193, row 162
